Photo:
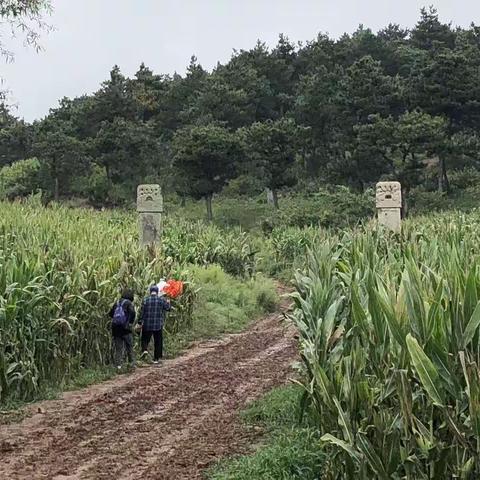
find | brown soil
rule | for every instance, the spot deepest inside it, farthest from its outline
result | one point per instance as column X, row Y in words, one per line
column 162, row 422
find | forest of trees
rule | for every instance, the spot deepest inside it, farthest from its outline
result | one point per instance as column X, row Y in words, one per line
column 396, row 104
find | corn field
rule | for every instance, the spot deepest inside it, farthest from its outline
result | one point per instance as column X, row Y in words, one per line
column 187, row 242
column 60, row 271
column 390, row 348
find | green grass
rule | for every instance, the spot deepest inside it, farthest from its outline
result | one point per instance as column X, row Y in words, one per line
column 89, row 377
column 225, row 304
column 278, row 408
column 291, row 451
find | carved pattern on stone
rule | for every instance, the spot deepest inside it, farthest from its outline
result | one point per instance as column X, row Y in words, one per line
column 389, row 195
column 149, row 198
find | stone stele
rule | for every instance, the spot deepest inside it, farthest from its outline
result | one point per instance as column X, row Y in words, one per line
column 150, row 209
column 389, row 205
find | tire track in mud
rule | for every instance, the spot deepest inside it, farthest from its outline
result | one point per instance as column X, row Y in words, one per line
column 166, row 422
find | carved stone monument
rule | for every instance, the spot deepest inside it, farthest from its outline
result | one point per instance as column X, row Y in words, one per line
column 270, row 199
column 389, row 205
column 150, row 209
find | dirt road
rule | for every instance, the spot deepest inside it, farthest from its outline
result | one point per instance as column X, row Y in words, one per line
column 161, row 422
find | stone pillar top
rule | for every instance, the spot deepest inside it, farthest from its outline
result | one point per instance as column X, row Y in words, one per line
column 149, row 198
column 389, row 195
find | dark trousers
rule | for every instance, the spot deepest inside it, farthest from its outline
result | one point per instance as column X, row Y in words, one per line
column 157, row 342
column 122, row 345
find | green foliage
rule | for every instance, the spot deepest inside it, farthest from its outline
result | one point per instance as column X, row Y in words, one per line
column 265, row 295
column 205, row 157
column 271, row 148
column 95, row 186
column 62, row 268
column 389, row 329
column 347, row 111
column 278, row 408
column 330, row 209
column 461, row 180
column 15, row 137
column 291, row 455
column 58, row 150
column 423, row 202
column 224, row 304
column 121, row 140
column 337, row 207
column 244, row 185
column 19, row 179
column 197, row 244
column 402, row 146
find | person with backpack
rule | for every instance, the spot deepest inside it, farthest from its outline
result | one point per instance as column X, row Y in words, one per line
column 151, row 321
column 123, row 314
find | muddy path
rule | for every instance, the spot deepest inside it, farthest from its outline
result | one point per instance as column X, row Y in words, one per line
column 162, row 422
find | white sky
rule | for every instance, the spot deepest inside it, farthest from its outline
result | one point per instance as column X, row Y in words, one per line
column 92, row 35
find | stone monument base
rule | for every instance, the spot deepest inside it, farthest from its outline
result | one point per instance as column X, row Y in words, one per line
column 150, row 228
column 390, row 218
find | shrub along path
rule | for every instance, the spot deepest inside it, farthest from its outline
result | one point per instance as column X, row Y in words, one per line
column 162, row 422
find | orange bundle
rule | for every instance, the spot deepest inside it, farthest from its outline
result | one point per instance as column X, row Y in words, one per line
column 173, row 288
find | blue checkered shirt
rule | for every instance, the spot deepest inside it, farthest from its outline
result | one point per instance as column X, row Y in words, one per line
column 152, row 315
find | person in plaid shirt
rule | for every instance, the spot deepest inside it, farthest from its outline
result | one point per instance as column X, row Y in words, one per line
column 151, row 320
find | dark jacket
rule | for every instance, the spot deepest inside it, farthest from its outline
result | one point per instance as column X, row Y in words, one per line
column 152, row 315
column 129, row 311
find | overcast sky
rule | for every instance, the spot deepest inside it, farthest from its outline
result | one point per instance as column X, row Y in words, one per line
column 91, row 36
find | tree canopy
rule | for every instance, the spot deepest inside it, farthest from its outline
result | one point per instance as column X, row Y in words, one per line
column 351, row 111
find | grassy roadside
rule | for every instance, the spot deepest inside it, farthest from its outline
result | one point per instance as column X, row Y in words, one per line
column 225, row 304
column 291, row 450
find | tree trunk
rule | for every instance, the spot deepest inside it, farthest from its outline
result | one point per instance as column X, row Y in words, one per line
column 208, row 201
column 358, row 180
column 56, row 190
column 441, row 186
column 440, row 179
column 445, row 183
column 404, row 212
column 275, row 199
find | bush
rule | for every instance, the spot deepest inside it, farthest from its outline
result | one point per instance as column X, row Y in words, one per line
column 266, row 296
column 95, row 186
column 244, row 185
column 421, row 202
column 465, row 178
column 19, row 179
column 329, row 209
column 236, row 301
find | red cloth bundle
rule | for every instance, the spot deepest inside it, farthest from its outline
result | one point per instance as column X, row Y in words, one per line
column 173, row 288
